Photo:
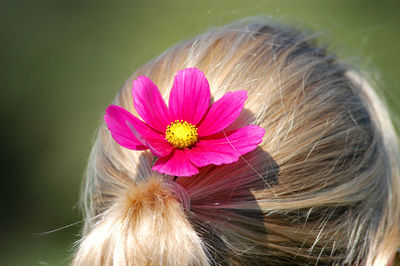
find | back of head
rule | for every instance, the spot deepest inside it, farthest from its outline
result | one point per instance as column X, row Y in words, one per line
column 322, row 187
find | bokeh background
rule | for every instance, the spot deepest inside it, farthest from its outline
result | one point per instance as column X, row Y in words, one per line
column 62, row 62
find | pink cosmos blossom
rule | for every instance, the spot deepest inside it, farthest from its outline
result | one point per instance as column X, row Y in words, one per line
column 189, row 133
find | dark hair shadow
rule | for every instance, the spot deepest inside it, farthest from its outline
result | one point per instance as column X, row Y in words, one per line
column 223, row 205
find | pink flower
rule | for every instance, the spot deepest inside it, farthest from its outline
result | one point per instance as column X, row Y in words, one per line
column 189, row 133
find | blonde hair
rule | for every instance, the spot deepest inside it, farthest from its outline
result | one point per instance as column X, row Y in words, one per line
column 323, row 186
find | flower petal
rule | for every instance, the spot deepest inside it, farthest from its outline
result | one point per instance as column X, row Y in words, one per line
column 222, row 113
column 176, row 164
column 190, row 96
column 228, row 149
column 115, row 119
column 151, row 139
column 149, row 103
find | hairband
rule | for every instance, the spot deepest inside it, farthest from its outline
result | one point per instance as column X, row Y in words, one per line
column 189, row 133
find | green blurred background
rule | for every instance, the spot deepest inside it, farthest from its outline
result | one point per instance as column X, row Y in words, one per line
column 63, row 61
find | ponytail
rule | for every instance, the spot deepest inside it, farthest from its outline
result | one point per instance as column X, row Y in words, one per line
column 145, row 226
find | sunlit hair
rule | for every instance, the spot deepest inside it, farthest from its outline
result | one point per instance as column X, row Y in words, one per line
column 323, row 187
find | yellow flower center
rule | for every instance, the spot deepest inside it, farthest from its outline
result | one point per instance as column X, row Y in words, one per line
column 181, row 134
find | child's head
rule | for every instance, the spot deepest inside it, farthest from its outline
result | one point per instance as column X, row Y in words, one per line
column 322, row 187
